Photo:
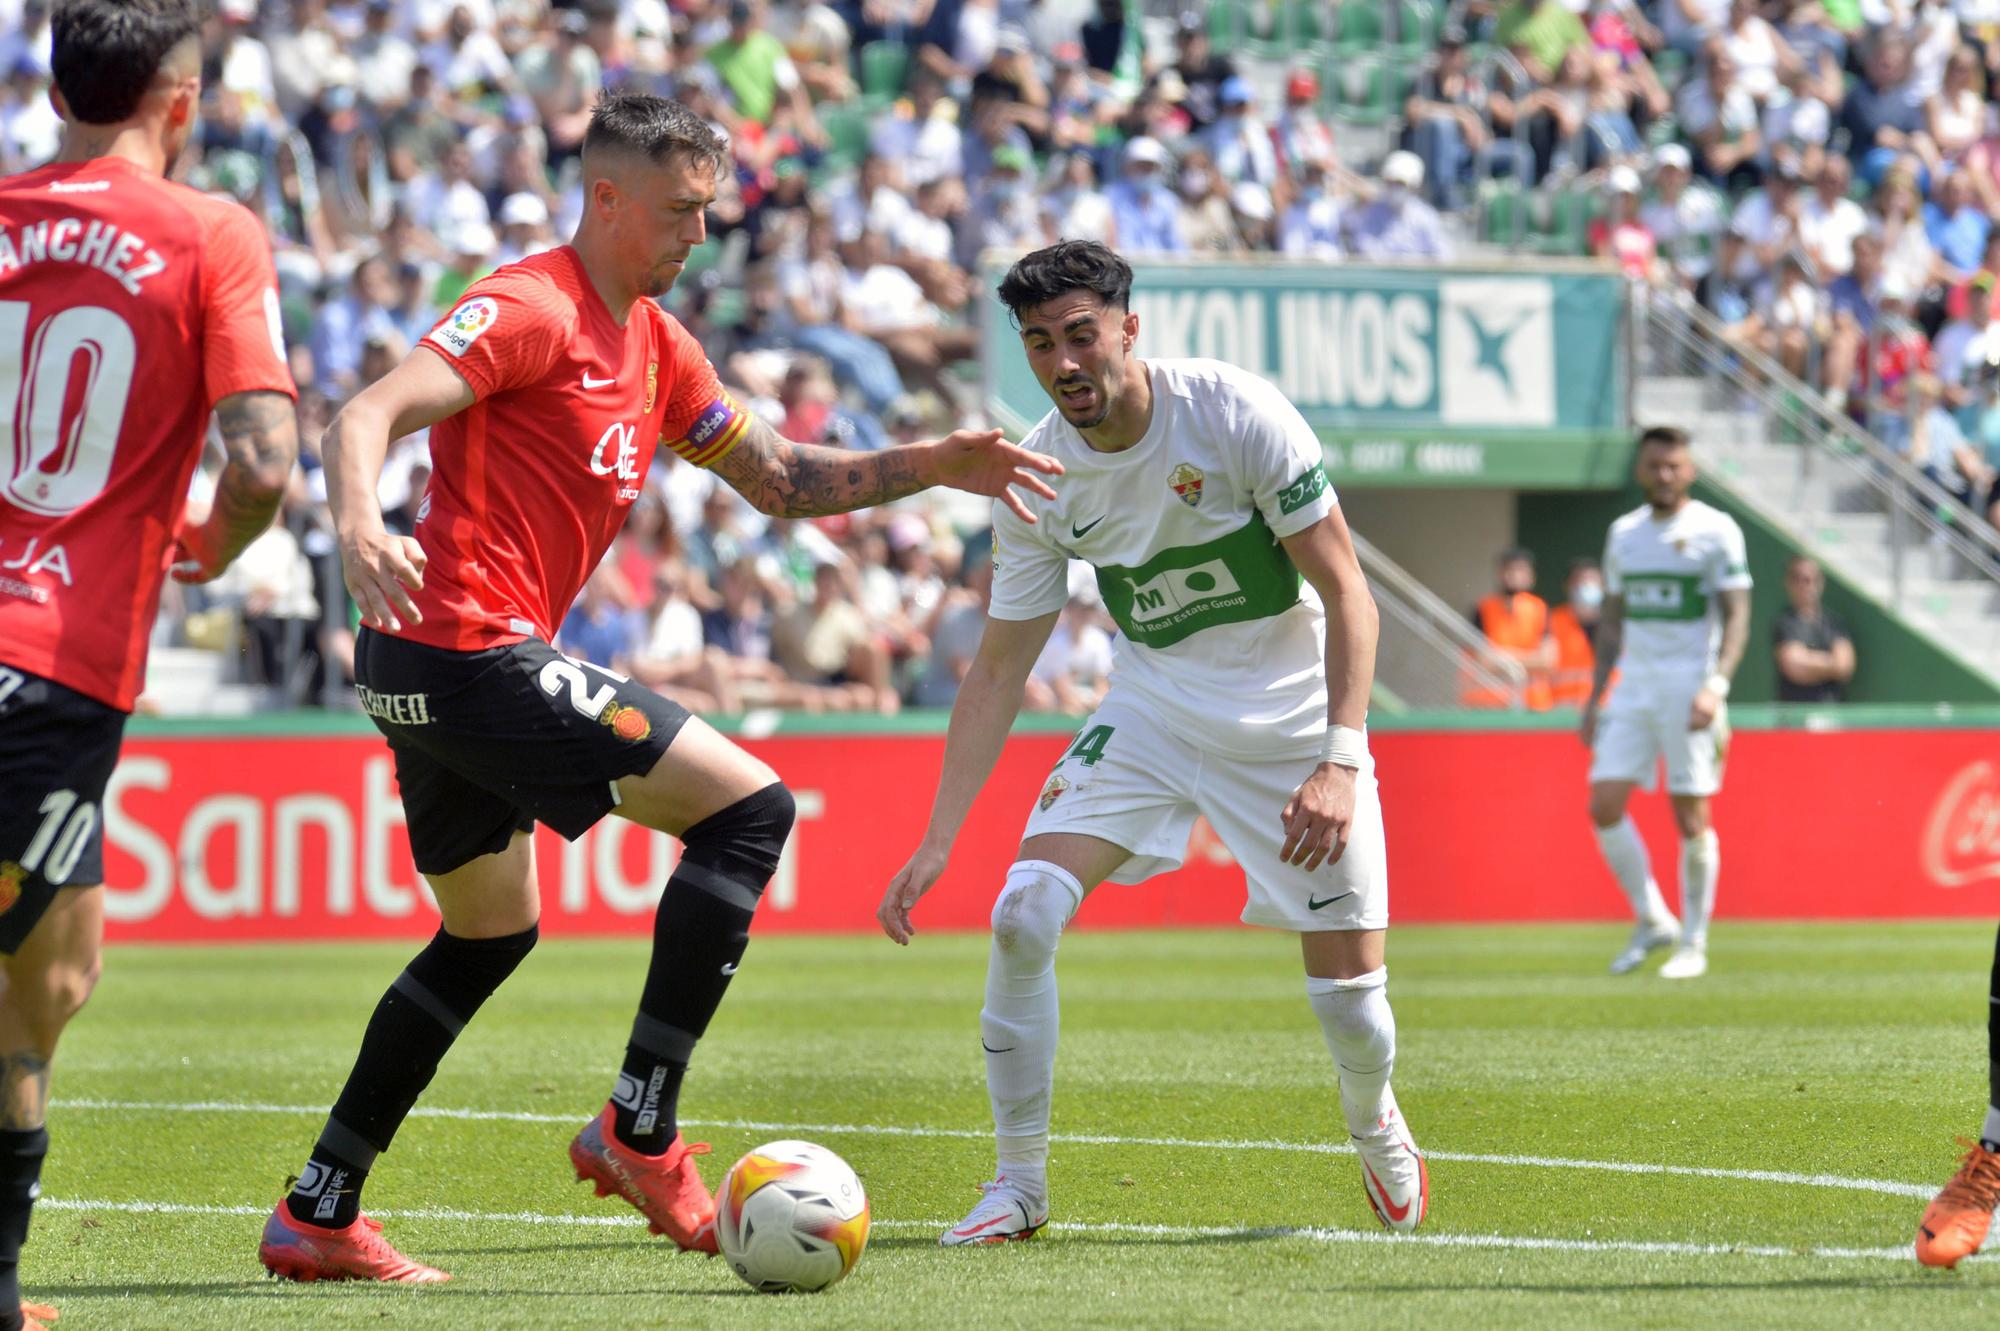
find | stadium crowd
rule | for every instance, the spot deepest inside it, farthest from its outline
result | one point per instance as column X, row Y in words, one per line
column 1821, row 175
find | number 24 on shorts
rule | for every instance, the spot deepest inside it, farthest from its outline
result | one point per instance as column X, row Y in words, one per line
column 1089, row 746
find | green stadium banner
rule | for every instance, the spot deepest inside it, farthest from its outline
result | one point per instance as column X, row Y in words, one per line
column 1434, row 375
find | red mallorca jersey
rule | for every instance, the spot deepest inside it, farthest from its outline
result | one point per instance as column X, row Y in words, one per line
column 531, row 482
column 129, row 306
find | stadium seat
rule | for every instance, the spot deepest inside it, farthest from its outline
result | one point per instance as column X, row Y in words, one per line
column 884, row 66
column 1360, row 28
column 1566, row 222
column 1369, row 92
column 847, row 129
column 1228, row 26
column 1416, row 29
column 1502, row 220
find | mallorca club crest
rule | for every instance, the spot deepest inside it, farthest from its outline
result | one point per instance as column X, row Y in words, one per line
column 628, row 723
column 652, row 384
column 1052, row 792
column 1186, row 482
column 11, row 877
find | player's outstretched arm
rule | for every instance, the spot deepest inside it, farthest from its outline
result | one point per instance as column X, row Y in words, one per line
column 260, row 434
column 1317, row 818
column 989, row 698
column 382, row 570
column 792, row 480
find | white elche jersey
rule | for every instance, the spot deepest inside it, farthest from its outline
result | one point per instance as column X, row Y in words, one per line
column 1217, row 628
column 1670, row 573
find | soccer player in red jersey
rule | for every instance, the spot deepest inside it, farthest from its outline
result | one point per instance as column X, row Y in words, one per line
column 129, row 308
column 547, row 389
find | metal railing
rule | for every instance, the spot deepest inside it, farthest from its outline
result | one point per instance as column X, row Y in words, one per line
column 1841, row 467
column 1429, row 654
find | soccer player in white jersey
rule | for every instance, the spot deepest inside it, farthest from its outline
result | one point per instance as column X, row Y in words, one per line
column 1676, row 618
column 1239, row 692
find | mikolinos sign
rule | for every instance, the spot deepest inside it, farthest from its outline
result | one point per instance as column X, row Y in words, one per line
column 1410, row 375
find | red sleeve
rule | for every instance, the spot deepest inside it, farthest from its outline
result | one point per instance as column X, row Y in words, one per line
column 702, row 422
column 242, row 336
column 505, row 332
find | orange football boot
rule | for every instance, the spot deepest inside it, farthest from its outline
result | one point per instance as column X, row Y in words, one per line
column 666, row 1188
column 296, row 1250
column 1955, row 1223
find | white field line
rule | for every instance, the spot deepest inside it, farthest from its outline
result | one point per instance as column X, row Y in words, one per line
column 1512, row 1242
column 1889, row 1187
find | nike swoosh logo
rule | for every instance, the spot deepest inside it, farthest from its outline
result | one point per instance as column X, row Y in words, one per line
column 589, row 382
column 991, row 1050
column 1315, row 905
column 729, row 969
column 1395, row 1213
column 1077, row 533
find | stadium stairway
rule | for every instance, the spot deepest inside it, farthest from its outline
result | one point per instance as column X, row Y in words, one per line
column 1830, row 489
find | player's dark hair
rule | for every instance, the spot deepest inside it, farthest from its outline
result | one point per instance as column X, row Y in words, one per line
column 106, row 53
column 1666, row 436
column 1070, row 265
column 657, row 128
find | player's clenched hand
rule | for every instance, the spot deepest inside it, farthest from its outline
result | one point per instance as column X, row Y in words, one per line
column 197, row 556
column 1318, row 817
column 983, row 463
column 1701, row 712
column 911, row 882
column 381, row 571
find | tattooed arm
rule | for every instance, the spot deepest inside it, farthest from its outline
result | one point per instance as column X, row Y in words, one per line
column 260, row 433
column 792, row 480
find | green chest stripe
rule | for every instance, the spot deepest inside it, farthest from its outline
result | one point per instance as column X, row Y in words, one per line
column 1242, row 576
column 1665, row 596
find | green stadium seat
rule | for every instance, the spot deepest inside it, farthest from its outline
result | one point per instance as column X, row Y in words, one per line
column 1503, row 211
column 847, row 129
column 1228, row 26
column 1417, row 29
column 1301, row 24
column 884, row 66
column 1369, row 92
column 1360, row 28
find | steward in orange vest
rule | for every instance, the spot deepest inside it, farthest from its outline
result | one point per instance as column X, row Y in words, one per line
column 1516, row 621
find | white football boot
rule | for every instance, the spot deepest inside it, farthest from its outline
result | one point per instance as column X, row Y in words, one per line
column 1393, row 1173
column 1002, row 1215
column 1646, row 938
column 1687, row 963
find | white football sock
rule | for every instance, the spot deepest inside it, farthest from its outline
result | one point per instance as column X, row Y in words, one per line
column 1019, row 1024
column 1360, row 1033
column 1991, row 1132
column 1701, row 864
column 1625, row 854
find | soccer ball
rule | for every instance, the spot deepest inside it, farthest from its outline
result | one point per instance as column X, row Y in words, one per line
column 791, row 1216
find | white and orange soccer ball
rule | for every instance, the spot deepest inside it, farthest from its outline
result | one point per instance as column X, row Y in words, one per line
column 791, row 1216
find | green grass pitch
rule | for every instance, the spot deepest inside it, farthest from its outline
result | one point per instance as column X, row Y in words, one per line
column 196, row 1080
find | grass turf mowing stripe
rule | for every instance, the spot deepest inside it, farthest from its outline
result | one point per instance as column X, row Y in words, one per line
column 1313, row 1234
column 1885, row 1186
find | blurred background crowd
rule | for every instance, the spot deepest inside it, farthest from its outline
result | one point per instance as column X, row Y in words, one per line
column 1821, row 175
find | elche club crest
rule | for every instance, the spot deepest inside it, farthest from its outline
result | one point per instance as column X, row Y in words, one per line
column 1052, row 792
column 1185, row 480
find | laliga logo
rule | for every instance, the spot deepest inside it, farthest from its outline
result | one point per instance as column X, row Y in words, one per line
column 617, row 453
column 1962, row 839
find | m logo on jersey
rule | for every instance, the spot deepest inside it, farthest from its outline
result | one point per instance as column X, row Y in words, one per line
column 1180, row 589
column 466, row 324
column 1185, row 481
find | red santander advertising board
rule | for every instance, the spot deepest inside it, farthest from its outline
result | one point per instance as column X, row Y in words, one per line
column 241, row 837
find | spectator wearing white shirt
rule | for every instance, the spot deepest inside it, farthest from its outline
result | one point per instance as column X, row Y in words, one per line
column 1767, row 220
column 1829, row 220
column 384, row 58
column 1964, row 346
column 1075, row 664
column 468, row 59
column 923, row 135
column 886, row 304
column 448, row 202
column 1398, row 224
column 245, row 61
column 1312, row 223
column 1685, row 215
column 524, row 228
column 1074, row 208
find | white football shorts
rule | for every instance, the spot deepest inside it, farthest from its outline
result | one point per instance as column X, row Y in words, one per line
column 1129, row 778
column 1641, row 726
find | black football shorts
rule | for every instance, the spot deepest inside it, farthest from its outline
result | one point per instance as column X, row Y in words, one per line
column 488, row 742
column 57, row 752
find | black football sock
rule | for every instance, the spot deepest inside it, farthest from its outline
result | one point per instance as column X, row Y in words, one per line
column 21, row 1156
column 415, row 1023
column 1989, row 1135
column 699, row 934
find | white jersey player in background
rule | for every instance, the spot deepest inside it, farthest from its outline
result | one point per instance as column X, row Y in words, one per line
column 1196, row 491
column 1676, row 618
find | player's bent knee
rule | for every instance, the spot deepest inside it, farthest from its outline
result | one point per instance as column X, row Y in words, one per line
column 1034, row 906
column 747, row 838
column 43, row 1001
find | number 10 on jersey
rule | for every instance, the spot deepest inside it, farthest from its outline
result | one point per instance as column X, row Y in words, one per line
column 64, row 386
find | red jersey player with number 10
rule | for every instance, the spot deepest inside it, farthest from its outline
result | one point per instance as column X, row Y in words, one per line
column 129, row 307
column 548, row 389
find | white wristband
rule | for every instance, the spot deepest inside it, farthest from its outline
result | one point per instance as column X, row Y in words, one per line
column 1718, row 685
column 1345, row 747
